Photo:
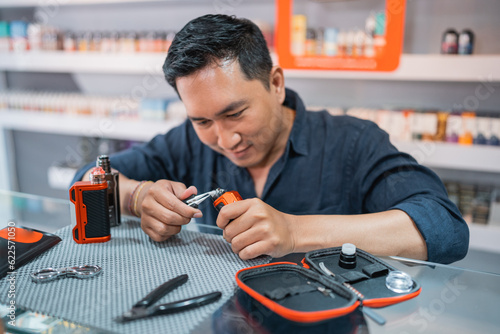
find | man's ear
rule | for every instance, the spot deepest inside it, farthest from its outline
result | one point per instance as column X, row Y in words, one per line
column 277, row 83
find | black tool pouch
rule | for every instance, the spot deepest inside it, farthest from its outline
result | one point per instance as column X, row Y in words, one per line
column 308, row 295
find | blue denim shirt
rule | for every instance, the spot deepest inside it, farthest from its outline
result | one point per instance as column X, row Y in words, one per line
column 331, row 165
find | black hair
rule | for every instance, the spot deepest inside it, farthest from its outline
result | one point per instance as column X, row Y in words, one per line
column 211, row 38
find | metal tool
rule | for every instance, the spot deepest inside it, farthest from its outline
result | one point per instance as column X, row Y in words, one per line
column 325, row 291
column 50, row 274
column 367, row 311
column 144, row 309
column 195, row 200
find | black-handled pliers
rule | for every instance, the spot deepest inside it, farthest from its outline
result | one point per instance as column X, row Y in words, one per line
column 143, row 308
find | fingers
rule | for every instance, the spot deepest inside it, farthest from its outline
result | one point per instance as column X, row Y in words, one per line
column 253, row 243
column 162, row 211
column 158, row 231
column 232, row 211
column 254, row 228
column 164, row 202
column 256, row 249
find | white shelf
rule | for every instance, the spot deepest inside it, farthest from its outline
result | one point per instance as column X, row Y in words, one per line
column 476, row 68
column 415, row 67
column 83, row 62
column 479, row 158
column 89, row 126
column 432, row 154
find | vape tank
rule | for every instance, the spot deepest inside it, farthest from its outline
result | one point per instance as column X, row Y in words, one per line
column 113, row 190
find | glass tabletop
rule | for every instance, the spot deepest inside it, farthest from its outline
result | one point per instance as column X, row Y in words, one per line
column 37, row 212
column 452, row 299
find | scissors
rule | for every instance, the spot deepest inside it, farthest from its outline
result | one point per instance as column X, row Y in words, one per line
column 144, row 308
column 50, row 274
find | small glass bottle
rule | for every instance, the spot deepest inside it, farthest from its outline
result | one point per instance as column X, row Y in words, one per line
column 310, row 42
column 330, row 42
column 69, row 43
column 466, row 42
column 449, row 43
column 96, row 41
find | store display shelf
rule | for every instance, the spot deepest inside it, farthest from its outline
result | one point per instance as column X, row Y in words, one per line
column 432, row 154
column 413, row 67
column 82, row 125
column 83, row 62
column 422, row 67
column 479, row 158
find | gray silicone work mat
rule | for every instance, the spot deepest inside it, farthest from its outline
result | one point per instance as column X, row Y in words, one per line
column 133, row 265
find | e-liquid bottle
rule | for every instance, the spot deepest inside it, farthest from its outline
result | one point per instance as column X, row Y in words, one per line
column 330, row 42
column 465, row 42
column 310, row 42
column 449, row 43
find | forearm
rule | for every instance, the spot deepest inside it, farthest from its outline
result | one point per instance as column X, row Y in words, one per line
column 384, row 233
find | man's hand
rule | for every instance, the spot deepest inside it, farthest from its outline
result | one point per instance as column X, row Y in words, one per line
column 162, row 211
column 256, row 229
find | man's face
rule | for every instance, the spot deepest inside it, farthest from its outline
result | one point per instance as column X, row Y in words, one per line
column 236, row 117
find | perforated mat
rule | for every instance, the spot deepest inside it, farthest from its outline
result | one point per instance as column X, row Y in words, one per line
column 133, row 266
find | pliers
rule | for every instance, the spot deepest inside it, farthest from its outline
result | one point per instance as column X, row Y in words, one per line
column 195, row 200
column 143, row 309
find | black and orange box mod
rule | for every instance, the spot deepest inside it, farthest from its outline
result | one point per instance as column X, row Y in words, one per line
column 91, row 206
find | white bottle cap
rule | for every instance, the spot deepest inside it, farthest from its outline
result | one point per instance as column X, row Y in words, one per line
column 348, row 249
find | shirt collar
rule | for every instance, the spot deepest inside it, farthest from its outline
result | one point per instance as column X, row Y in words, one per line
column 299, row 136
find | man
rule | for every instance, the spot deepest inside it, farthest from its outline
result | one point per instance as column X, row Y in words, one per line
column 309, row 180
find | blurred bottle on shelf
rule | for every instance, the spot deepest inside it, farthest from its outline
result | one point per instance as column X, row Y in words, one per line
column 128, row 42
column 147, row 41
column 19, row 36
column 330, row 42
column 478, row 203
column 69, row 41
column 310, row 48
column 4, row 36
column 468, row 128
column 34, row 32
column 379, row 39
column 449, row 42
column 299, row 32
column 320, row 42
column 83, row 41
column 466, row 42
column 96, row 41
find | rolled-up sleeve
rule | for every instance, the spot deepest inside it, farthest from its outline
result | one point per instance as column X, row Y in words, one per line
column 387, row 179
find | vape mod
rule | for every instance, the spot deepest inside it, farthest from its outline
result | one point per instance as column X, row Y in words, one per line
column 91, row 205
column 113, row 190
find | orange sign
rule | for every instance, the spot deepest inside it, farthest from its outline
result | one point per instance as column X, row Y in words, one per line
column 376, row 50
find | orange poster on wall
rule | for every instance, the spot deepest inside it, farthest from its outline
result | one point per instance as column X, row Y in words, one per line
column 376, row 47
